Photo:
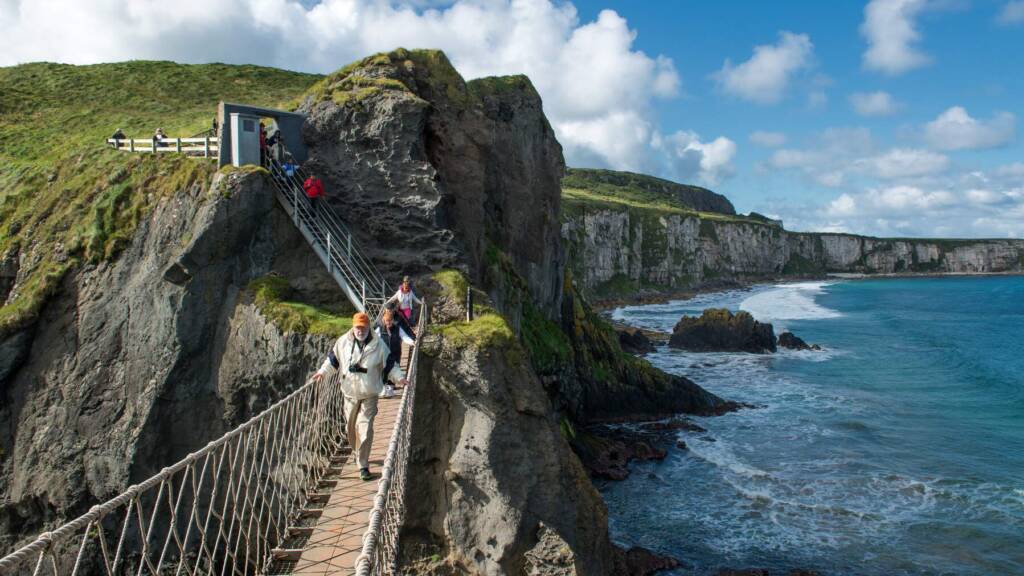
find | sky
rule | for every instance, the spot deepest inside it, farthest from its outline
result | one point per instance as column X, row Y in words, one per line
column 883, row 117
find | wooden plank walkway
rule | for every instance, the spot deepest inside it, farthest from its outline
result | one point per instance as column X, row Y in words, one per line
column 337, row 538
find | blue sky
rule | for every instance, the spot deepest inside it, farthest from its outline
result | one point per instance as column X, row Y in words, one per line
column 975, row 63
column 885, row 117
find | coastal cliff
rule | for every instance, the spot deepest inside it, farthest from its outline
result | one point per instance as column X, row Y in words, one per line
column 457, row 184
column 153, row 303
column 622, row 244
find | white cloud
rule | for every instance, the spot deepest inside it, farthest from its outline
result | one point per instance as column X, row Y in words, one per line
column 767, row 139
column 834, row 153
column 817, row 99
column 598, row 88
column 907, row 163
column 766, row 75
column 988, row 197
column 873, row 103
column 709, row 161
column 1013, row 171
column 890, row 29
column 1012, row 13
column 844, row 205
column 955, row 129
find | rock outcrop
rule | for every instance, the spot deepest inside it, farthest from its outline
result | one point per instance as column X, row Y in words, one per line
column 436, row 170
column 634, row 341
column 794, row 342
column 719, row 330
column 136, row 362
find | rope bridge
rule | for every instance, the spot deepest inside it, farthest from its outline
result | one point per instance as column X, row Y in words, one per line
column 233, row 507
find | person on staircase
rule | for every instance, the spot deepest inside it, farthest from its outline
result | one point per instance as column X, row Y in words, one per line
column 393, row 330
column 314, row 191
column 406, row 299
column 360, row 357
column 263, row 145
column 289, row 167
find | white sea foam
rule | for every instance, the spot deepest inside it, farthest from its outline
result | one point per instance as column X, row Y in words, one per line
column 789, row 302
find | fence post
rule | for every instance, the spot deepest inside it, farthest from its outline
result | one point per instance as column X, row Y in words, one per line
column 206, row 148
column 177, row 144
column 131, row 144
column 469, row 304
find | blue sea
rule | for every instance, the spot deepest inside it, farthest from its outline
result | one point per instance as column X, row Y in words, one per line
column 898, row 449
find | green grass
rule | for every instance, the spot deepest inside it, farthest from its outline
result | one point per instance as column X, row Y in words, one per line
column 484, row 331
column 453, row 284
column 576, row 200
column 274, row 297
column 66, row 197
column 428, row 71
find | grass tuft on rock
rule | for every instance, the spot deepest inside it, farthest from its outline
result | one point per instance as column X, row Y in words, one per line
column 273, row 295
column 484, row 331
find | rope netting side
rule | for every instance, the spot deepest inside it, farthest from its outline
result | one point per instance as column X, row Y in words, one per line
column 380, row 542
column 220, row 510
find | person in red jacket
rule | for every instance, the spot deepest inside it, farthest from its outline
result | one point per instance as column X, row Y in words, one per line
column 314, row 191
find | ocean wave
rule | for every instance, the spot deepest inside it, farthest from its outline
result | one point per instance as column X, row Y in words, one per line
column 788, row 302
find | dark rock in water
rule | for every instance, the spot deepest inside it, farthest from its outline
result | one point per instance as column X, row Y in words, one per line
column 719, row 330
column 681, row 445
column 607, row 453
column 674, row 424
column 639, row 561
column 634, row 341
column 794, row 342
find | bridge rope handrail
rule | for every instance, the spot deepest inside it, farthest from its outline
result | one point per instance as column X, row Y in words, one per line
column 379, row 554
column 310, row 395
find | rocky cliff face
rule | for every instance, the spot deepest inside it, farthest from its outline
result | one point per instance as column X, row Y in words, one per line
column 622, row 251
column 444, row 179
column 435, row 170
column 136, row 362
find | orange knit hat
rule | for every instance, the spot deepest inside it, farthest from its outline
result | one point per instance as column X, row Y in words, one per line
column 360, row 319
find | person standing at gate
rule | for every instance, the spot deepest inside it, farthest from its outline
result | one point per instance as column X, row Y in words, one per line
column 314, row 191
column 360, row 358
column 117, row 137
column 405, row 298
column 393, row 330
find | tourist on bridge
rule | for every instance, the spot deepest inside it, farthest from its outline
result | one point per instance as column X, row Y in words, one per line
column 314, row 191
column 393, row 330
column 405, row 298
column 360, row 357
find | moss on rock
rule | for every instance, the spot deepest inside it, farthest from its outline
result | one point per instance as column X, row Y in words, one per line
column 274, row 297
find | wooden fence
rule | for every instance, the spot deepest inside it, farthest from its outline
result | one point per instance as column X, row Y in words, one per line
column 205, row 147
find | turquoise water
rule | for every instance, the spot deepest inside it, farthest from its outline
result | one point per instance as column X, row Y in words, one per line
column 897, row 450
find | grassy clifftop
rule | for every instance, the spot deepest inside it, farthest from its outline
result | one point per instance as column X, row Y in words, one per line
column 641, row 189
column 65, row 197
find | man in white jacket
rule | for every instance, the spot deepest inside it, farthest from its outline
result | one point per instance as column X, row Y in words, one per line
column 360, row 356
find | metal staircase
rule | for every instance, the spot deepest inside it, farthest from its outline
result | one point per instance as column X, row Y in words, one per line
column 332, row 241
